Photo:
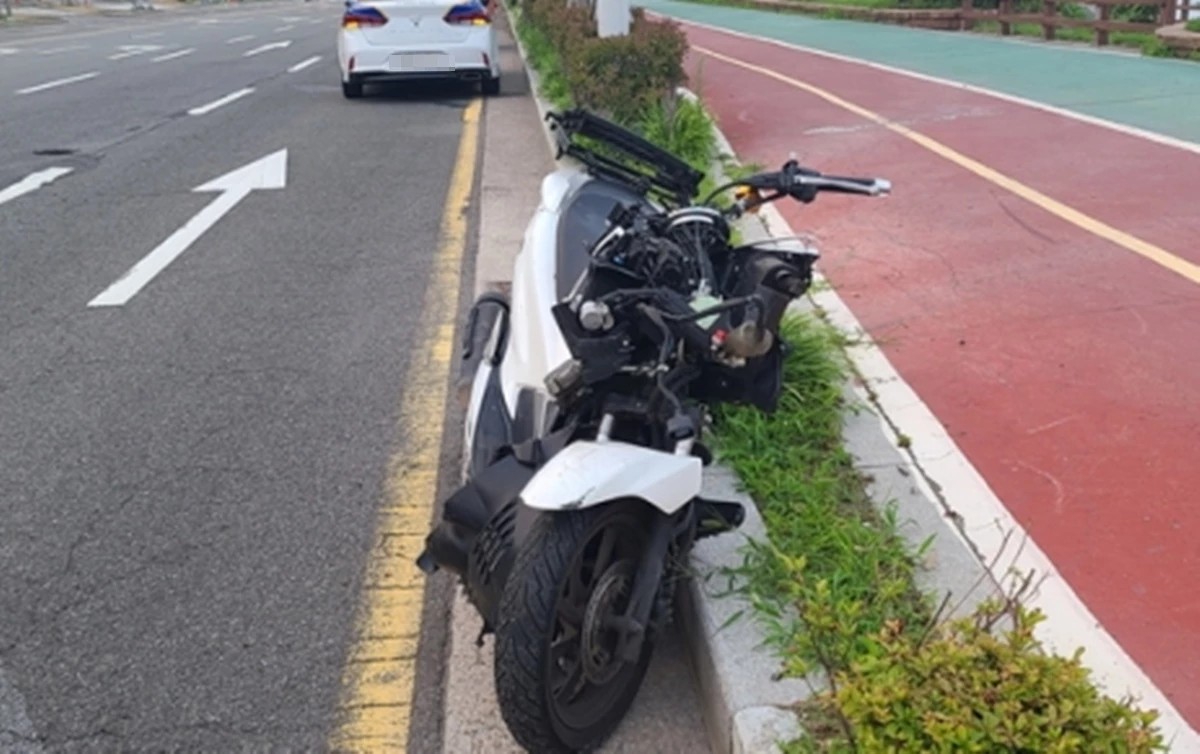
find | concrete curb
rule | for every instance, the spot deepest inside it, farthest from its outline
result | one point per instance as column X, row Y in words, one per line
column 748, row 709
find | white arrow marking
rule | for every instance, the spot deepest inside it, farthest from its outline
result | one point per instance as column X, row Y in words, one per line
column 8, row 51
column 272, row 46
column 58, row 82
column 268, row 173
column 304, row 64
column 32, row 182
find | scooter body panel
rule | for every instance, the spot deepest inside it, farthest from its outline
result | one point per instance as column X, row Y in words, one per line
column 509, row 402
column 587, row 473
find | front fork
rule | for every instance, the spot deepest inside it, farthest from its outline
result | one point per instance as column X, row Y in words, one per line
column 665, row 530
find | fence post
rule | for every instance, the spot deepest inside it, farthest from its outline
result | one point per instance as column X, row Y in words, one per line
column 612, row 18
column 1167, row 12
column 1049, row 10
column 1102, row 34
column 1005, row 11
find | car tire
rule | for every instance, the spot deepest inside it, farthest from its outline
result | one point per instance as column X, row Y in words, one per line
column 352, row 89
column 491, row 86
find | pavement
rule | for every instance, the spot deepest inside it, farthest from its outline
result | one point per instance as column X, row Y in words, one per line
column 198, row 479
column 1032, row 278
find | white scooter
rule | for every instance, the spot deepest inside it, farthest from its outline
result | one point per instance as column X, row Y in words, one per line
column 630, row 313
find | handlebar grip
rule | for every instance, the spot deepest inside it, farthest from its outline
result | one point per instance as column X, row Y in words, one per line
column 846, row 184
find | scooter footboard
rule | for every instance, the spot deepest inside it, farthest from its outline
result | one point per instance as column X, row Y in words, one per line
column 587, row 473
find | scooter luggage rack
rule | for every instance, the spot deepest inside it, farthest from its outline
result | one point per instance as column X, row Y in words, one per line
column 654, row 169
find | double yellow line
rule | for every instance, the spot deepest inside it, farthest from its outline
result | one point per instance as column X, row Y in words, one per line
column 377, row 684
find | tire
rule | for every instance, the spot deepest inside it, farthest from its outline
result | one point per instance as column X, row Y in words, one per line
column 352, row 89
column 532, row 615
column 491, row 86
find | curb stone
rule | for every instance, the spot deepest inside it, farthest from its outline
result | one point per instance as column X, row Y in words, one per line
column 748, row 709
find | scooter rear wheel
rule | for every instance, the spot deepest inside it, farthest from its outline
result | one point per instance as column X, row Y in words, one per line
column 560, row 683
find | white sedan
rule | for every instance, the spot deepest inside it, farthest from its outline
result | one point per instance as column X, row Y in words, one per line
column 396, row 40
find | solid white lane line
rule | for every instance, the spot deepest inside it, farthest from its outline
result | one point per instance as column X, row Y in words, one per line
column 243, row 38
column 173, row 55
column 32, row 182
column 304, row 64
column 205, row 109
column 58, row 82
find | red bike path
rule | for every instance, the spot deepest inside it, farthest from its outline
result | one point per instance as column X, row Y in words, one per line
column 1031, row 277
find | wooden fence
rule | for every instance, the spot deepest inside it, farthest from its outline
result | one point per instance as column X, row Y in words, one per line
column 1051, row 19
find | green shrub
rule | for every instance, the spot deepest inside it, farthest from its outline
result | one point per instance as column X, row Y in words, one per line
column 968, row 689
column 1145, row 14
column 682, row 127
column 618, row 77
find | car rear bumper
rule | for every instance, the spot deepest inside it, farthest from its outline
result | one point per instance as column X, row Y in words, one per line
column 461, row 74
column 473, row 59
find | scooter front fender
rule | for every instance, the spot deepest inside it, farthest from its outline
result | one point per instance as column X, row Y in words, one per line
column 587, row 473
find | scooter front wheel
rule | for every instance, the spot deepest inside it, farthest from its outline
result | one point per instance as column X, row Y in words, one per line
column 561, row 682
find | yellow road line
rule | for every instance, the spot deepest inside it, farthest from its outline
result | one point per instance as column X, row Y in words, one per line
column 378, row 680
column 1132, row 243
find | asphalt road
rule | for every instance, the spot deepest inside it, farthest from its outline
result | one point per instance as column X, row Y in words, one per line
column 193, row 467
column 190, row 481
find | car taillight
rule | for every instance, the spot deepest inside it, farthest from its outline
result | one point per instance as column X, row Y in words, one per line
column 362, row 15
column 472, row 14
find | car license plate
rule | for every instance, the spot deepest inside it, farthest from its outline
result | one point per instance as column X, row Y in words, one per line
column 423, row 61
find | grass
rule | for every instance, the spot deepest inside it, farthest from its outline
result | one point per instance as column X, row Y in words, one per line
column 1133, row 39
column 1193, row 25
column 835, row 570
column 544, row 59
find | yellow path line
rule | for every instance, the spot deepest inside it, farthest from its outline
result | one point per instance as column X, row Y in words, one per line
column 1090, row 224
column 379, row 675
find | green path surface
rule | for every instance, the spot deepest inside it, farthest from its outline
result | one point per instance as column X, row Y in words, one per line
column 1154, row 94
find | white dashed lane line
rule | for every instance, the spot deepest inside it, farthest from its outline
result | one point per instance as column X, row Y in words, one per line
column 58, row 83
column 304, row 64
column 205, row 109
column 173, row 55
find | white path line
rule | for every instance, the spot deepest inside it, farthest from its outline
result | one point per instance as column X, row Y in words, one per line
column 288, row 27
column 1154, row 136
column 243, row 38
